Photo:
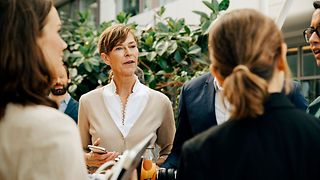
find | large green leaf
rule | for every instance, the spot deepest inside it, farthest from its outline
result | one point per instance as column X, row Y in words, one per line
column 163, row 63
column 214, row 5
column 72, row 88
column 151, row 56
column 162, row 47
column 195, row 49
column 94, row 61
column 205, row 26
column 172, row 47
column 224, row 4
column 149, row 40
column 162, row 27
column 187, row 29
column 87, row 66
column 177, row 56
column 202, row 14
column 161, row 11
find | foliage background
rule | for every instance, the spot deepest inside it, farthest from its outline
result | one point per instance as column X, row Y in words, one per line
column 171, row 52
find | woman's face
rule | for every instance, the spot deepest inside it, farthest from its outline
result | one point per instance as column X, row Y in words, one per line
column 123, row 58
column 50, row 42
column 315, row 39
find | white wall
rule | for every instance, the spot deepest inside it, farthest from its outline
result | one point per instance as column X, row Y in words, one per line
column 184, row 8
column 107, row 10
column 298, row 19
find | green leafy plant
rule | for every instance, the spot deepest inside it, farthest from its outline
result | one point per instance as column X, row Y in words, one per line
column 87, row 70
column 171, row 52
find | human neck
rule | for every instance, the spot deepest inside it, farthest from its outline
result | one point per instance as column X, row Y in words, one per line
column 276, row 82
column 58, row 99
column 124, row 85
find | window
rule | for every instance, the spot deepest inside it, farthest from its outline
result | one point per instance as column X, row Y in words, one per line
column 135, row 7
column 131, row 7
column 310, row 67
column 70, row 8
column 304, row 69
column 292, row 59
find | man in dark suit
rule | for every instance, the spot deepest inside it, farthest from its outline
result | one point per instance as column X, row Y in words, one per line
column 59, row 94
column 72, row 109
column 197, row 112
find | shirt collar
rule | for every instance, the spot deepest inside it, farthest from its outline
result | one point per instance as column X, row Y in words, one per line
column 135, row 88
column 67, row 99
column 217, row 87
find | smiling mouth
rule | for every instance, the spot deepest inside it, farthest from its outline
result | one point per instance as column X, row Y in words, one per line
column 316, row 51
column 129, row 62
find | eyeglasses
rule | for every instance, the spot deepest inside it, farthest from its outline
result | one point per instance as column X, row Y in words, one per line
column 307, row 33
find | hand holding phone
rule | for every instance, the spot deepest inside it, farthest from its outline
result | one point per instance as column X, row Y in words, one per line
column 97, row 149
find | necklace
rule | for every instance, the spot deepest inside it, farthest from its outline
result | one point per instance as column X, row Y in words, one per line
column 123, row 112
column 123, row 109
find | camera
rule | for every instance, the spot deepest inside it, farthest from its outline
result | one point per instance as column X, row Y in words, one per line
column 167, row 174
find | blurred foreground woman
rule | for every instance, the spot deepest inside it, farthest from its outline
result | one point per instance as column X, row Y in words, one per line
column 37, row 141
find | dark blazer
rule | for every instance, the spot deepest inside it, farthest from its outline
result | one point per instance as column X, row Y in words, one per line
column 296, row 97
column 196, row 114
column 72, row 109
column 284, row 143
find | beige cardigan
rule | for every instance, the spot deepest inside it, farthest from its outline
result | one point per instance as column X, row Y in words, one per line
column 39, row 142
column 95, row 121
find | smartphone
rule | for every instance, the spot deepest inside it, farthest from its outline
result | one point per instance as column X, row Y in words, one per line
column 97, row 149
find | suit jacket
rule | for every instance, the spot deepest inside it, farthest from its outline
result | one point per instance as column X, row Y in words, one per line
column 314, row 108
column 296, row 97
column 72, row 109
column 197, row 112
column 283, row 143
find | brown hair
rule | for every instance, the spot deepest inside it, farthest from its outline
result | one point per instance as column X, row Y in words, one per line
column 244, row 48
column 25, row 77
column 316, row 4
column 113, row 36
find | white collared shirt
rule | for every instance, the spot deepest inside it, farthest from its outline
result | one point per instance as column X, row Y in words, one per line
column 222, row 113
column 64, row 103
column 136, row 103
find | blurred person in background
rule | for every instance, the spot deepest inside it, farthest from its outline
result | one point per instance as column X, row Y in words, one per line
column 59, row 93
column 312, row 37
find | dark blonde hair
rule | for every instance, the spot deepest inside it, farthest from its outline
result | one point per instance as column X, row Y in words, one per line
column 113, row 36
column 25, row 76
column 245, row 47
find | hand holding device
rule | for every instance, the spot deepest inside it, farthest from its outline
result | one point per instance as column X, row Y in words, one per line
column 97, row 149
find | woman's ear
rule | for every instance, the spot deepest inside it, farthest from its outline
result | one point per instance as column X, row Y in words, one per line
column 105, row 58
column 283, row 57
column 214, row 71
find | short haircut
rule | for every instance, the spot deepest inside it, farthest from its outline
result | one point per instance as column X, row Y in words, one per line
column 113, row 36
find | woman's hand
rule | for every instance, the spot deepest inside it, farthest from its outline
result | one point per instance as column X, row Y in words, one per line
column 97, row 159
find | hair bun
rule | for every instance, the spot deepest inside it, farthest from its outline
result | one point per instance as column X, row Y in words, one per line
column 241, row 67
